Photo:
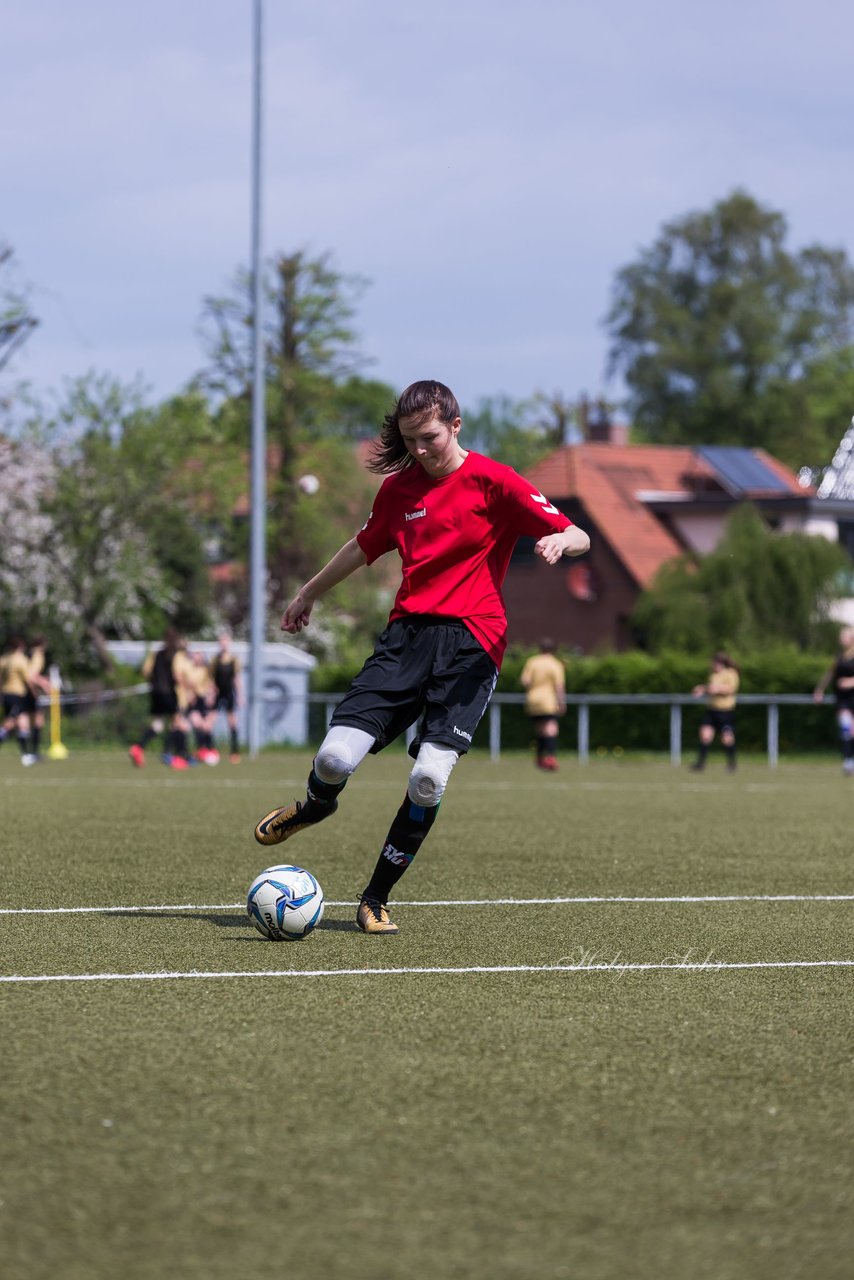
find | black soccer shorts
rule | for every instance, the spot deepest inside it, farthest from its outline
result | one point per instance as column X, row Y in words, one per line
column 422, row 666
column 163, row 703
column 14, row 705
column 719, row 720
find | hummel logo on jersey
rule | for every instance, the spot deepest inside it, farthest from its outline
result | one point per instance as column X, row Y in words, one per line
column 546, row 505
column 462, row 734
column 415, row 515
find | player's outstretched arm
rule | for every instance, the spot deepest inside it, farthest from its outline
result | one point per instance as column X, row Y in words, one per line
column 571, row 542
column 819, row 691
column 346, row 561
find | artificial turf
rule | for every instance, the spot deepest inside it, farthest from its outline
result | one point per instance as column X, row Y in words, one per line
column 583, row 1121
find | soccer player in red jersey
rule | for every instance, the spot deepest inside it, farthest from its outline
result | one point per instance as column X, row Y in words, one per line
column 453, row 516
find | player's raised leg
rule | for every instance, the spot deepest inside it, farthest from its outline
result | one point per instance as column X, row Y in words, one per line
column 340, row 754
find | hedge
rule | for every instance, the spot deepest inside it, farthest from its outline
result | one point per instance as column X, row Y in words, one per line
column 631, row 728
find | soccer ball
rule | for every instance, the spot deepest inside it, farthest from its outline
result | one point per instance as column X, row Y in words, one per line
column 285, row 903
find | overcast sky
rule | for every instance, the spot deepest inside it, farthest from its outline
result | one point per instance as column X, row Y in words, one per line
column 487, row 166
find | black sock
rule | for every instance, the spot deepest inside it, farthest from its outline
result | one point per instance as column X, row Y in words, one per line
column 701, row 755
column 405, row 837
column 35, row 738
column 541, row 747
column 179, row 740
column 147, row 736
column 23, row 744
column 848, row 748
column 550, row 745
column 234, row 747
column 730, row 754
column 321, row 797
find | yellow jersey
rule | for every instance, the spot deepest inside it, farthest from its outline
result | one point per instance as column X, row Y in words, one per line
column 200, row 680
column 16, row 673
column 726, row 687
column 182, row 668
column 544, row 682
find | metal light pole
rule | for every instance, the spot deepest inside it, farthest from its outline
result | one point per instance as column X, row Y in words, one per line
column 258, row 486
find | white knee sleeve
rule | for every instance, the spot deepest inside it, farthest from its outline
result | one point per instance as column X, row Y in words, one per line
column 430, row 775
column 341, row 752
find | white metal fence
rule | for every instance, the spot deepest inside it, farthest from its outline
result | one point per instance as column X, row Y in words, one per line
column 585, row 702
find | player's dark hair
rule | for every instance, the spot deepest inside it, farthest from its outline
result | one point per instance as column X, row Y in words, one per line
column 724, row 660
column 172, row 640
column 547, row 645
column 422, row 401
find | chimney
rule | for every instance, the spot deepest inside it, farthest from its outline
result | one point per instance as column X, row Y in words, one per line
column 601, row 428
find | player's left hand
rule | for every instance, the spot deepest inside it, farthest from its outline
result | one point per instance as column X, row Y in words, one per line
column 550, row 548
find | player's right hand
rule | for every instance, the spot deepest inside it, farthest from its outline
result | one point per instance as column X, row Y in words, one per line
column 297, row 614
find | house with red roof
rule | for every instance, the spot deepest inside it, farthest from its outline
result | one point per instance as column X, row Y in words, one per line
column 642, row 505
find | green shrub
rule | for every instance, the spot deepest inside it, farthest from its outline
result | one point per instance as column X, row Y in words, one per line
column 647, row 728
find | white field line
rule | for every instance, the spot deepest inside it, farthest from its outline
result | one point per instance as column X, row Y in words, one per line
column 446, row 902
column 612, row 967
column 167, row 780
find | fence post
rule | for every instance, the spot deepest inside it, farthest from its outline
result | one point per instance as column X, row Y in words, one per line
column 773, row 735
column 494, row 731
column 583, row 732
column 675, row 734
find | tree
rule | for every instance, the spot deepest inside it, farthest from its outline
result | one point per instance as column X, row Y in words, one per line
column 718, row 328
column 102, row 543
column 313, row 389
column 26, row 473
column 522, row 432
column 308, row 329
column 359, row 406
column 17, row 321
column 557, row 417
column 827, row 391
column 758, row 590
column 519, row 432
column 500, row 427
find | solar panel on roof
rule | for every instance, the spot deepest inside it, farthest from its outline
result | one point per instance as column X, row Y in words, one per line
column 741, row 470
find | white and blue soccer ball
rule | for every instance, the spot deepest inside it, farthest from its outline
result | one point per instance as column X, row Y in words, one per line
column 285, row 903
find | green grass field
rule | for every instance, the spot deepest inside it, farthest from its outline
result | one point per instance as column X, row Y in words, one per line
column 338, row 1110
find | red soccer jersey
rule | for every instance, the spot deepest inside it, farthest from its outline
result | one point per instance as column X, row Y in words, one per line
column 455, row 536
